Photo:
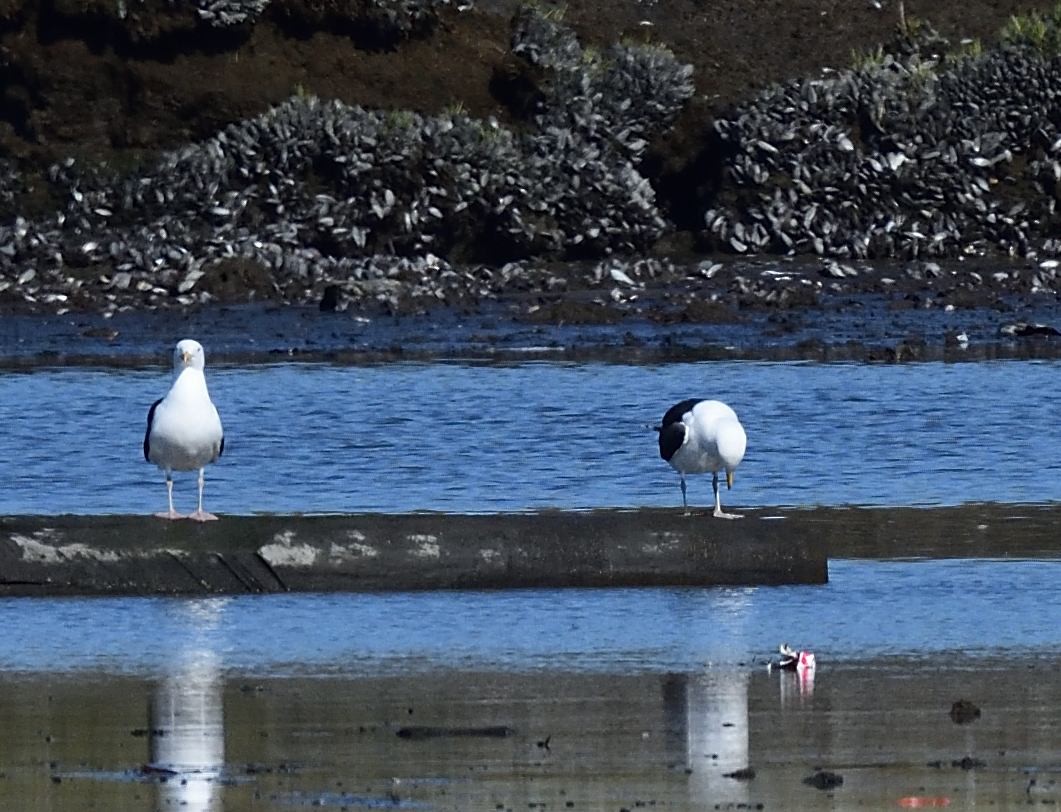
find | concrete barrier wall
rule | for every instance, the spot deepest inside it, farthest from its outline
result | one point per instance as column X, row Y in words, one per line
column 144, row 555
column 81, row 555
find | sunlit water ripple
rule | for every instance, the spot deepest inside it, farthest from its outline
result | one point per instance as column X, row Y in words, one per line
column 481, row 438
column 868, row 610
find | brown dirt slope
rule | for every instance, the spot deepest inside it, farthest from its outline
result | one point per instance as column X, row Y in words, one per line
column 77, row 80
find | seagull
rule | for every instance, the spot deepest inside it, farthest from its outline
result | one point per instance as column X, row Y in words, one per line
column 183, row 428
column 703, row 435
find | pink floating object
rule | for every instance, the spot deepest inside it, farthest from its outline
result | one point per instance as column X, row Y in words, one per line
column 924, row 801
column 792, row 660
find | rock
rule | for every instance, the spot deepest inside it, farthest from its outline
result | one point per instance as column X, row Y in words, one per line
column 329, row 300
column 929, row 174
column 964, row 712
column 743, row 774
column 825, row 780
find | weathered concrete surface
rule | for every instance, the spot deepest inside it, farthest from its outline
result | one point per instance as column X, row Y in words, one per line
column 963, row 531
column 650, row 547
column 144, row 555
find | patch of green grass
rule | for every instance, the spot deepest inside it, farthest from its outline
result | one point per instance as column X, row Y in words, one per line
column 548, row 11
column 967, row 50
column 867, row 60
column 489, row 132
column 556, row 13
column 1038, row 30
column 970, row 48
column 399, row 119
column 922, row 75
column 911, row 26
column 646, row 41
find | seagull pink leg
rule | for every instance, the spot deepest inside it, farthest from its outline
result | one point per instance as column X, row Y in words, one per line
column 719, row 512
column 201, row 515
column 172, row 514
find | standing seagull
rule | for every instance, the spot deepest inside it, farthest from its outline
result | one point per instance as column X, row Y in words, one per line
column 703, row 435
column 183, row 429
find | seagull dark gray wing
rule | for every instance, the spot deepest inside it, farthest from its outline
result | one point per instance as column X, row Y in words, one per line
column 147, row 434
column 671, row 438
column 672, row 430
column 676, row 412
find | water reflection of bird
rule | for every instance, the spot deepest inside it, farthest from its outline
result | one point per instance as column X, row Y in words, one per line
column 187, row 715
column 183, row 428
column 708, row 713
column 697, row 436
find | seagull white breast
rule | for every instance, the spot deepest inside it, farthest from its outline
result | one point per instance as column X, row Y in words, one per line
column 185, row 432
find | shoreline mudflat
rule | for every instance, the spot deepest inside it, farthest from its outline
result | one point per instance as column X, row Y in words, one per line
column 879, row 735
column 682, row 320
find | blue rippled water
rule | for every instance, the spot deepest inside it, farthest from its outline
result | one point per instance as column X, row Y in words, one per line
column 482, row 438
column 869, row 609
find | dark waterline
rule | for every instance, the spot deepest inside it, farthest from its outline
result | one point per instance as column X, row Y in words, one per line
column 482, row 438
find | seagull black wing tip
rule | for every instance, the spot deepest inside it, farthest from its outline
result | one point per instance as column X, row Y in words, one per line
column 147, row 433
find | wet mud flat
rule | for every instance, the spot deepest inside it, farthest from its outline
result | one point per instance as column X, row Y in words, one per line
column 82, row 555
column 758, row 310
column 876, row 734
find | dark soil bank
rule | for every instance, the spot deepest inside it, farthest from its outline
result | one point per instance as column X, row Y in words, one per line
column 402, row 156
column 82, row 81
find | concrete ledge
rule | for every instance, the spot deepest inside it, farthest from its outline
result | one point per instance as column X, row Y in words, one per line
column 85, row 555
column 81, row 555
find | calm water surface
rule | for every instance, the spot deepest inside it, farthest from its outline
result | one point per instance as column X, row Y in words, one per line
column 868, row 610
column 644, row 693
column 481, row 438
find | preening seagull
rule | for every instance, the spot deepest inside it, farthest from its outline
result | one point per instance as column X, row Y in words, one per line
column 183, row 428
column 697, row 436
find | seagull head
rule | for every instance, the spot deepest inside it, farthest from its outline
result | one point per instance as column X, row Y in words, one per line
column 188, row 353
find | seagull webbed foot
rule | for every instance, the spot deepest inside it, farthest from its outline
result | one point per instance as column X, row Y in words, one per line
column 170, row 514
column 721, row 514
column 202, row 516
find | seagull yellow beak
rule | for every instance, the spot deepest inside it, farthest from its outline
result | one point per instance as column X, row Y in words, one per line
column 186, row 357
column 729, row 479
